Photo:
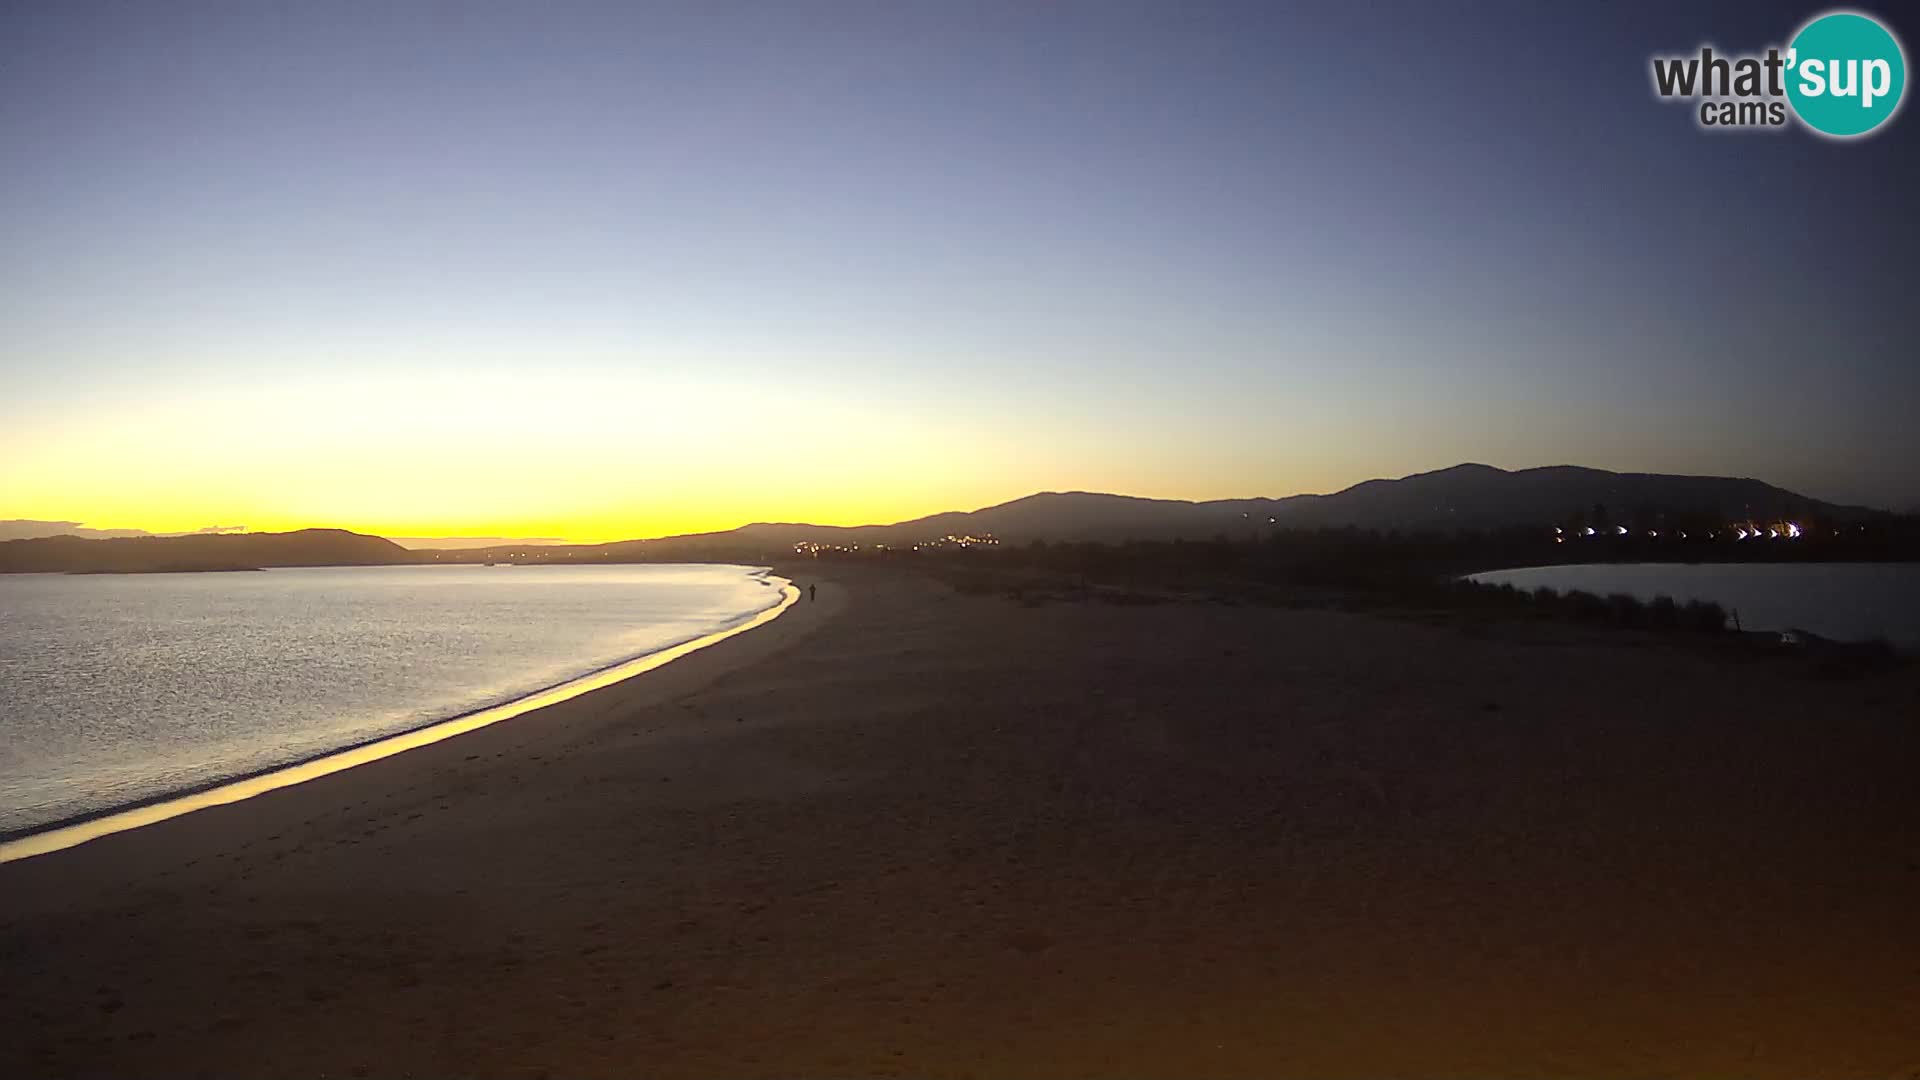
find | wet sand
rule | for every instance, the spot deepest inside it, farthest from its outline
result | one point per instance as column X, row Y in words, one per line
column 906, row 832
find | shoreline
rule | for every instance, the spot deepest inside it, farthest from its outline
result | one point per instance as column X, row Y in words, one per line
column 1857, row 605
column 1237, row 840
column 74, row 831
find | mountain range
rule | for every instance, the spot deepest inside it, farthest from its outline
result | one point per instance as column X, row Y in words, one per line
column 1464, row 497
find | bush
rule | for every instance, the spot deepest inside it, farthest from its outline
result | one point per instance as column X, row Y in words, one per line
column 1663, row 613
column 1585, row 606
column 1704, row 616
column 1626, row 609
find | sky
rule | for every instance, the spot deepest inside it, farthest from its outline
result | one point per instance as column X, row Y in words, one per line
column 595, row 271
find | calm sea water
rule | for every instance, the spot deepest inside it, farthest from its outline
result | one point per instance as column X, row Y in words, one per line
column 119, row 688
column 1842, row 601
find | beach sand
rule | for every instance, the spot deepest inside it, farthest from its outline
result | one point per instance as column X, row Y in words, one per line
column 903, row 831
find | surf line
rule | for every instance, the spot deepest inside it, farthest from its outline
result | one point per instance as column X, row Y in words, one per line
column 61, row 837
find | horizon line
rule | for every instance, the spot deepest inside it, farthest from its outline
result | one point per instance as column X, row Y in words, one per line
column 419, row 542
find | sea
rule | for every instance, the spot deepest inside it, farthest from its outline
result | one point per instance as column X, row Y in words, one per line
column 117, row 689
column 1838, row 601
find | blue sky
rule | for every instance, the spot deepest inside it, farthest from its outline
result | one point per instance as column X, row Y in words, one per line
column 697, row 265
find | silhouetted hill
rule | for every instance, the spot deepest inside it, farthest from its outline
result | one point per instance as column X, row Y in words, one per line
column 30, row 528
column 1071, row 515
column 230, row 551
column 1483, row 497
column 1465, row 497
column 1462, row 497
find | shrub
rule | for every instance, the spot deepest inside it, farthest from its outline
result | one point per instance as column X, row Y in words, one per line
column 1626, row 609
column 1585, row 606
column 1704, row 616
column 1663, row 612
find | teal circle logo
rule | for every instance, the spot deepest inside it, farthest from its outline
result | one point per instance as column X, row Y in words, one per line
column 1846, row 74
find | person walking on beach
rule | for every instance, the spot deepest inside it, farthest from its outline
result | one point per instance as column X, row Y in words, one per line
column 810, row 590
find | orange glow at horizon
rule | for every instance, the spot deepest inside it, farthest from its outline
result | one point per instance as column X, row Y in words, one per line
column 591, row 456
column 493, row 456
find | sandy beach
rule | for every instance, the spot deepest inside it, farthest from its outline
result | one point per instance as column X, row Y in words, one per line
column 906, row 832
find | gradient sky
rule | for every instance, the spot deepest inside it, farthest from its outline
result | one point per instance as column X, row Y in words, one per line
column 598, row 271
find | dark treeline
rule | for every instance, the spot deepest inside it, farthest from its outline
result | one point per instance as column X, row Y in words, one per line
column 1362, row 568
column 1366, row 559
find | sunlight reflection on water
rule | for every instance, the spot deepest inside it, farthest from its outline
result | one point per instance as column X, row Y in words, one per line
column 115, row 689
